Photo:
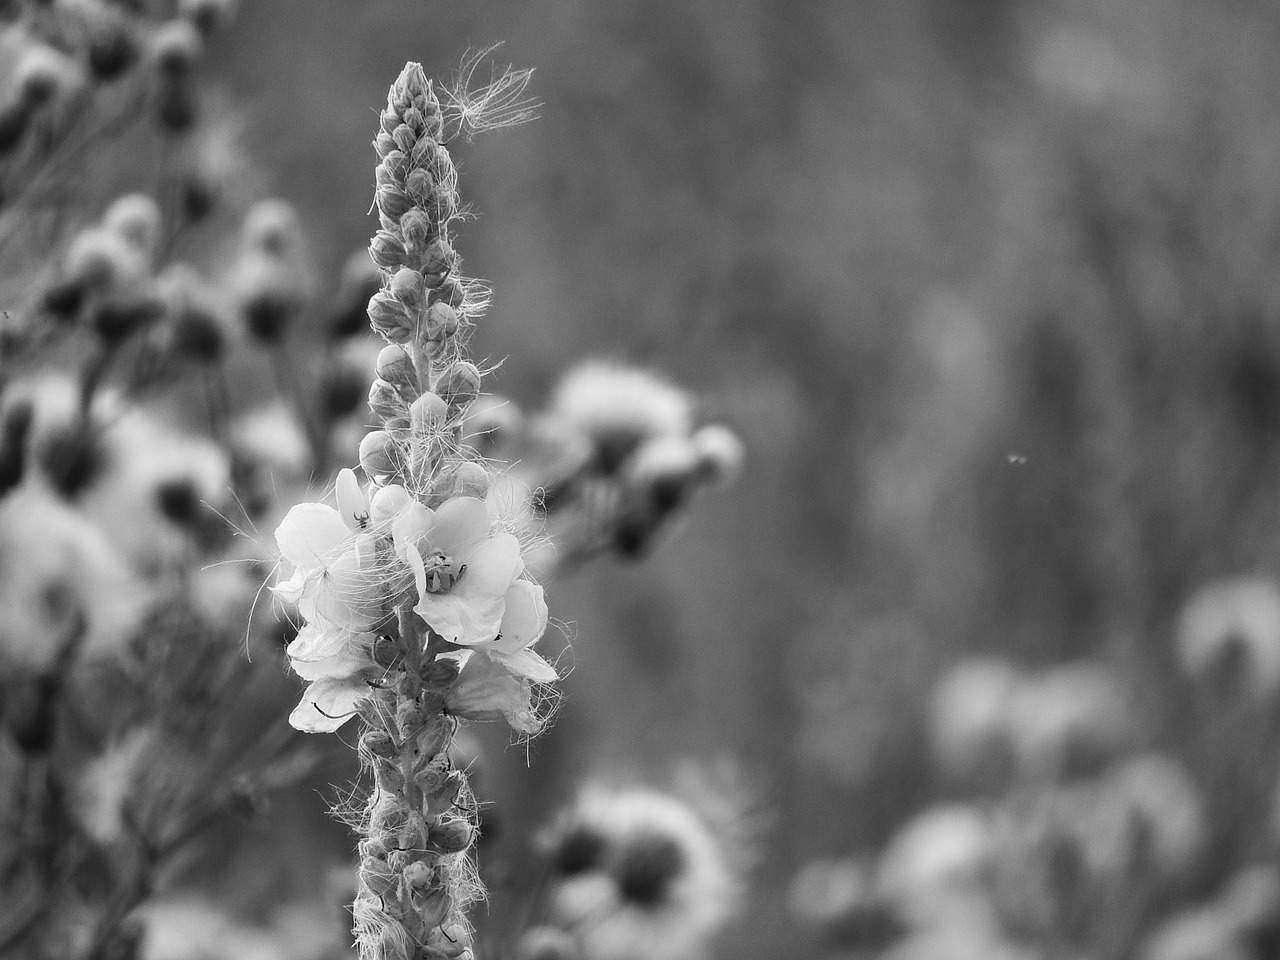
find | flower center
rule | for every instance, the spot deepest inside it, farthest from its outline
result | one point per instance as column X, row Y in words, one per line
column 442, row 572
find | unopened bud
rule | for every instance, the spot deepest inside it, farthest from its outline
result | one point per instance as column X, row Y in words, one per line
column 460, row 383
column 468, row 479
column 416, row 227
column 450, row 835
column 392, row 201
column 439, row 262
column 407, row 287
column 418, row 874
column 385, row 401
column 434, row 907
column 450, row 291
column 396, row 367
column 376, row 877
column 387, row 315
column 387, row 250
column 428, row 414
column 418, row 185
column 379, row 454
column 383, row 143
column 442, row 321
column 387, row 502
column 404, row 137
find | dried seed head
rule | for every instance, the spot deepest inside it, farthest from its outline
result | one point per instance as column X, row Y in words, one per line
column 136, row 217
column 176, row 47
column 273, row 227
column 720, row 454
column 43, row 74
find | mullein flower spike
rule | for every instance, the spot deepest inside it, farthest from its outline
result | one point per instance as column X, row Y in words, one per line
column 416, row 611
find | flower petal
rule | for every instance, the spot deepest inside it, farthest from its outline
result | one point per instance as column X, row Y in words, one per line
column 460, row 522
column 459, row 617
column 411, row 524
column 526, row 663
column 485, row 691
column 525, row 617
column 309, row 533
column 492, row 565
column 352, row 505
column 327, row 705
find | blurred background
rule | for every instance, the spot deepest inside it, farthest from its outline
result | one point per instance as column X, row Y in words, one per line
column 989, row 290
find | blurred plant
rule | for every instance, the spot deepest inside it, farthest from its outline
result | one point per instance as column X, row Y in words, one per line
column 632, row 874
column 613, row 462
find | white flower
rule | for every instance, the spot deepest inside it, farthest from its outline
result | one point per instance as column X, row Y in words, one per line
column 461, row 567
column 486, row 690
column 334, row 578
column 523, row 623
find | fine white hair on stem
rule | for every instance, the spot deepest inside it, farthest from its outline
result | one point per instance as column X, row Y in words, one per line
column 472, row 108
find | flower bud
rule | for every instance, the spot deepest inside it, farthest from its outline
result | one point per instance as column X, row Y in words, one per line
column 460, row 383
column 404, row 137
column 407, row 287
column 385, row 401
column 439, row 262
column 434, row 907
column 392, row 201
column 468, row 479
column 387, row 502
column 418, row 874
column 416, row 228
column 442, row 321
column 443, row 204
column 396, row 367
column 387, row 250
column 384, row 143
column 379, row 454
column 387, row 315
column 428, row 414
column 450, row 835
column 450, row 291
column 418, row 185
column 376, row 877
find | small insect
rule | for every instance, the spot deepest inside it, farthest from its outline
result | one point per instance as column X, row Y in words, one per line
column 441, row 575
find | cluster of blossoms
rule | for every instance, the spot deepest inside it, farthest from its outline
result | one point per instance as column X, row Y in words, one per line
column 417, row 613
